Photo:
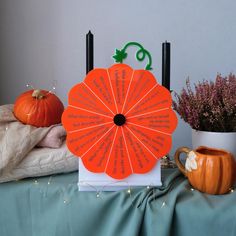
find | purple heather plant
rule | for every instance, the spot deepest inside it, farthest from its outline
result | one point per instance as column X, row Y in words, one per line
column 211, row 106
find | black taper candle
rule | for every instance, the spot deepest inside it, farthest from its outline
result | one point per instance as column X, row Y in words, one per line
column 166, row 65
column 89, row 51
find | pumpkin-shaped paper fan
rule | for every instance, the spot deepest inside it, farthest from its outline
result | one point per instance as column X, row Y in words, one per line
column 119, row 121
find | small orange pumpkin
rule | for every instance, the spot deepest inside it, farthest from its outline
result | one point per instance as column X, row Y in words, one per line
column 212, row 169
column 39, row 108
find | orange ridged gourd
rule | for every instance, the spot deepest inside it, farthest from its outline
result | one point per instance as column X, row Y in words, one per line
column 39, row 108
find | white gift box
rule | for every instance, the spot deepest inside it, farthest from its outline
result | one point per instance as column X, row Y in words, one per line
column 89, row 181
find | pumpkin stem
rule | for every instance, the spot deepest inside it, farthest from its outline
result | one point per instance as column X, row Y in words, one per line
column 120, row 55
column 37, row 94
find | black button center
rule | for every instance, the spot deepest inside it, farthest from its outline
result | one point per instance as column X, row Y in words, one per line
column 119, row 119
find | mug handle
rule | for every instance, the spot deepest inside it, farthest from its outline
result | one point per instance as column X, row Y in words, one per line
column 178, row 162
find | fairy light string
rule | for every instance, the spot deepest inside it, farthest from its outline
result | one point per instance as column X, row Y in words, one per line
column 98, row 193
column 44, row 188
column 52, row 90
column 29, row 86
column 153, row 193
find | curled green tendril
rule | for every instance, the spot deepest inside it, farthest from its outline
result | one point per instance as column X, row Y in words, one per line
column 120, row 55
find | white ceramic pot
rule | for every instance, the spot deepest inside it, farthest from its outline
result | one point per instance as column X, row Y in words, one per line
column 222, row 140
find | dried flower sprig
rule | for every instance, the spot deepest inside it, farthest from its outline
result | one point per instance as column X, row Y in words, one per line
column 211, row 106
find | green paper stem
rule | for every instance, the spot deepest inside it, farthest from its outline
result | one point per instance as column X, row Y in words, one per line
column 120, row 55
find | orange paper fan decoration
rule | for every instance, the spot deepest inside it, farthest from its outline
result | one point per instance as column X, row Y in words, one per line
column 119, row 121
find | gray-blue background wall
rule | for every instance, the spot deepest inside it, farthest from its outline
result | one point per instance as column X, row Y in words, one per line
column 42, row 41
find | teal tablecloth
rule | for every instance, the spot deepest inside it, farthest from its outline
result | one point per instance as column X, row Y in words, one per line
column 29, row 208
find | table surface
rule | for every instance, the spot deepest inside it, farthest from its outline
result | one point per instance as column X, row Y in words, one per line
column 53, row 206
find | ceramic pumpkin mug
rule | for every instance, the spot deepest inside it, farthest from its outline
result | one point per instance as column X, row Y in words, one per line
column 208, row 169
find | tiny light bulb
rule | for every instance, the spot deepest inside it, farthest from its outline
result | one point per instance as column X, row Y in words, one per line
column 163, row 204
column 29, row 86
